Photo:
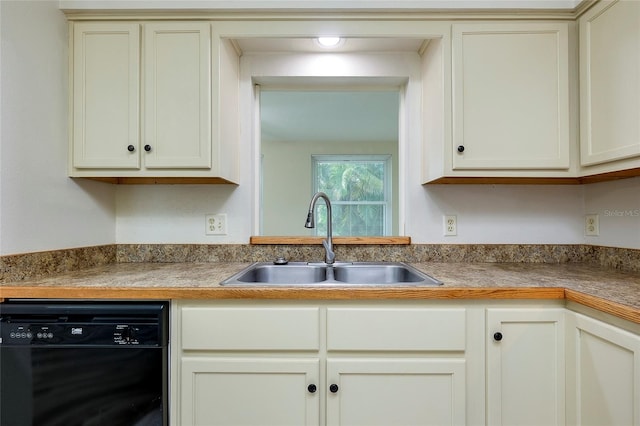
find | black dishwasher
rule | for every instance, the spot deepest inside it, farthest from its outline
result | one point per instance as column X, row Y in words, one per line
column 83, row 363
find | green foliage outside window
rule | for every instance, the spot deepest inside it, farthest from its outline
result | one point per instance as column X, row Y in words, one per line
column 358, row 193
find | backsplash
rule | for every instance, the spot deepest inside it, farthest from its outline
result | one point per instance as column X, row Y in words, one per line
column 18, row 267
column 34, row 265
column 395, row 253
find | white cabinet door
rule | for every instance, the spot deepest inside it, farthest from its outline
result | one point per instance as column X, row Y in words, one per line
column 610, row 82
column 249, row 392
column 605, row 363
column 525, row 367
column 106, row 83
column 177, row 95
column 395, row 391
column 510, row 97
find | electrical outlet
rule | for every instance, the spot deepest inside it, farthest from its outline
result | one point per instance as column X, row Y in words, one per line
column 591, row 225
column 450, row 225
column 216, row 224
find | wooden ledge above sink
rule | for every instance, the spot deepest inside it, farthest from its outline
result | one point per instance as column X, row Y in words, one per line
column 336, row 240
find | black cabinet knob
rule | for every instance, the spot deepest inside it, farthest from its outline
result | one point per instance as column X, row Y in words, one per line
column 460, row 148
column 312, row 388
column 497, row 336
column 131, row 148
column 147, row 148
column 333, row 388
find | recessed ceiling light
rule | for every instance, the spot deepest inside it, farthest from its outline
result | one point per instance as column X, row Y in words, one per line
column 329, row 41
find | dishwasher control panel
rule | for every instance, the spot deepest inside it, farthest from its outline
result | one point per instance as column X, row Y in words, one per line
column 25, row 322
column 78, row 334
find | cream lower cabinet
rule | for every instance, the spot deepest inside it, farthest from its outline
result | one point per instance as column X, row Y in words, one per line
column 604, row 370
column 247, row 365
column 401, row 363
column 278, row 363
column 525, row 366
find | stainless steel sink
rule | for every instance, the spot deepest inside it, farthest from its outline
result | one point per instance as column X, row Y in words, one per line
column 269, row 273
column 382, row 273
column 340, row 274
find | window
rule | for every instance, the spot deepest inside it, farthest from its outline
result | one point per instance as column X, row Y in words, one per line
column 359, row 187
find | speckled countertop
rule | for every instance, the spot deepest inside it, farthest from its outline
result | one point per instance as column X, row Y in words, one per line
column 605, row 289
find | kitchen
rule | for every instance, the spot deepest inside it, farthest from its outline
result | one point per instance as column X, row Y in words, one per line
column 81, row 213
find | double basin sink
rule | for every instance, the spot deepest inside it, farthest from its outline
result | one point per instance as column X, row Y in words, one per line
column 339, row 274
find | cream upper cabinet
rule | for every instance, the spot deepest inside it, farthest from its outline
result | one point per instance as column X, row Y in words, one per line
column 525, row 366
column 603, row 363
column 106, row 95
column 510, row 100
column 610, row 86
column 177, row 95
column 146, row 101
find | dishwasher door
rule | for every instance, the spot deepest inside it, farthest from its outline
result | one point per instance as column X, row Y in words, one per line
column 84, row 364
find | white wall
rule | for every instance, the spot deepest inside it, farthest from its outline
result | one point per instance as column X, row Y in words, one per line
column 41, row 208
column 617, row 205
column 486, row 214
column 176, row 213
column 499, row 214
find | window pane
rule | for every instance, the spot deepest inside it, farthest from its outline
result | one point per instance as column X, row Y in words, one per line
column 357, row 189
column 352, row 220
column 351, row 180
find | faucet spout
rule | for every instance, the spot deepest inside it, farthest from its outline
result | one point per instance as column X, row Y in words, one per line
column 330, row 256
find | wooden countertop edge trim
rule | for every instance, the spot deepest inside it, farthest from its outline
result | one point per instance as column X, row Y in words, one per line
column 315, row 293
column 290, row 293
column 603, row 305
